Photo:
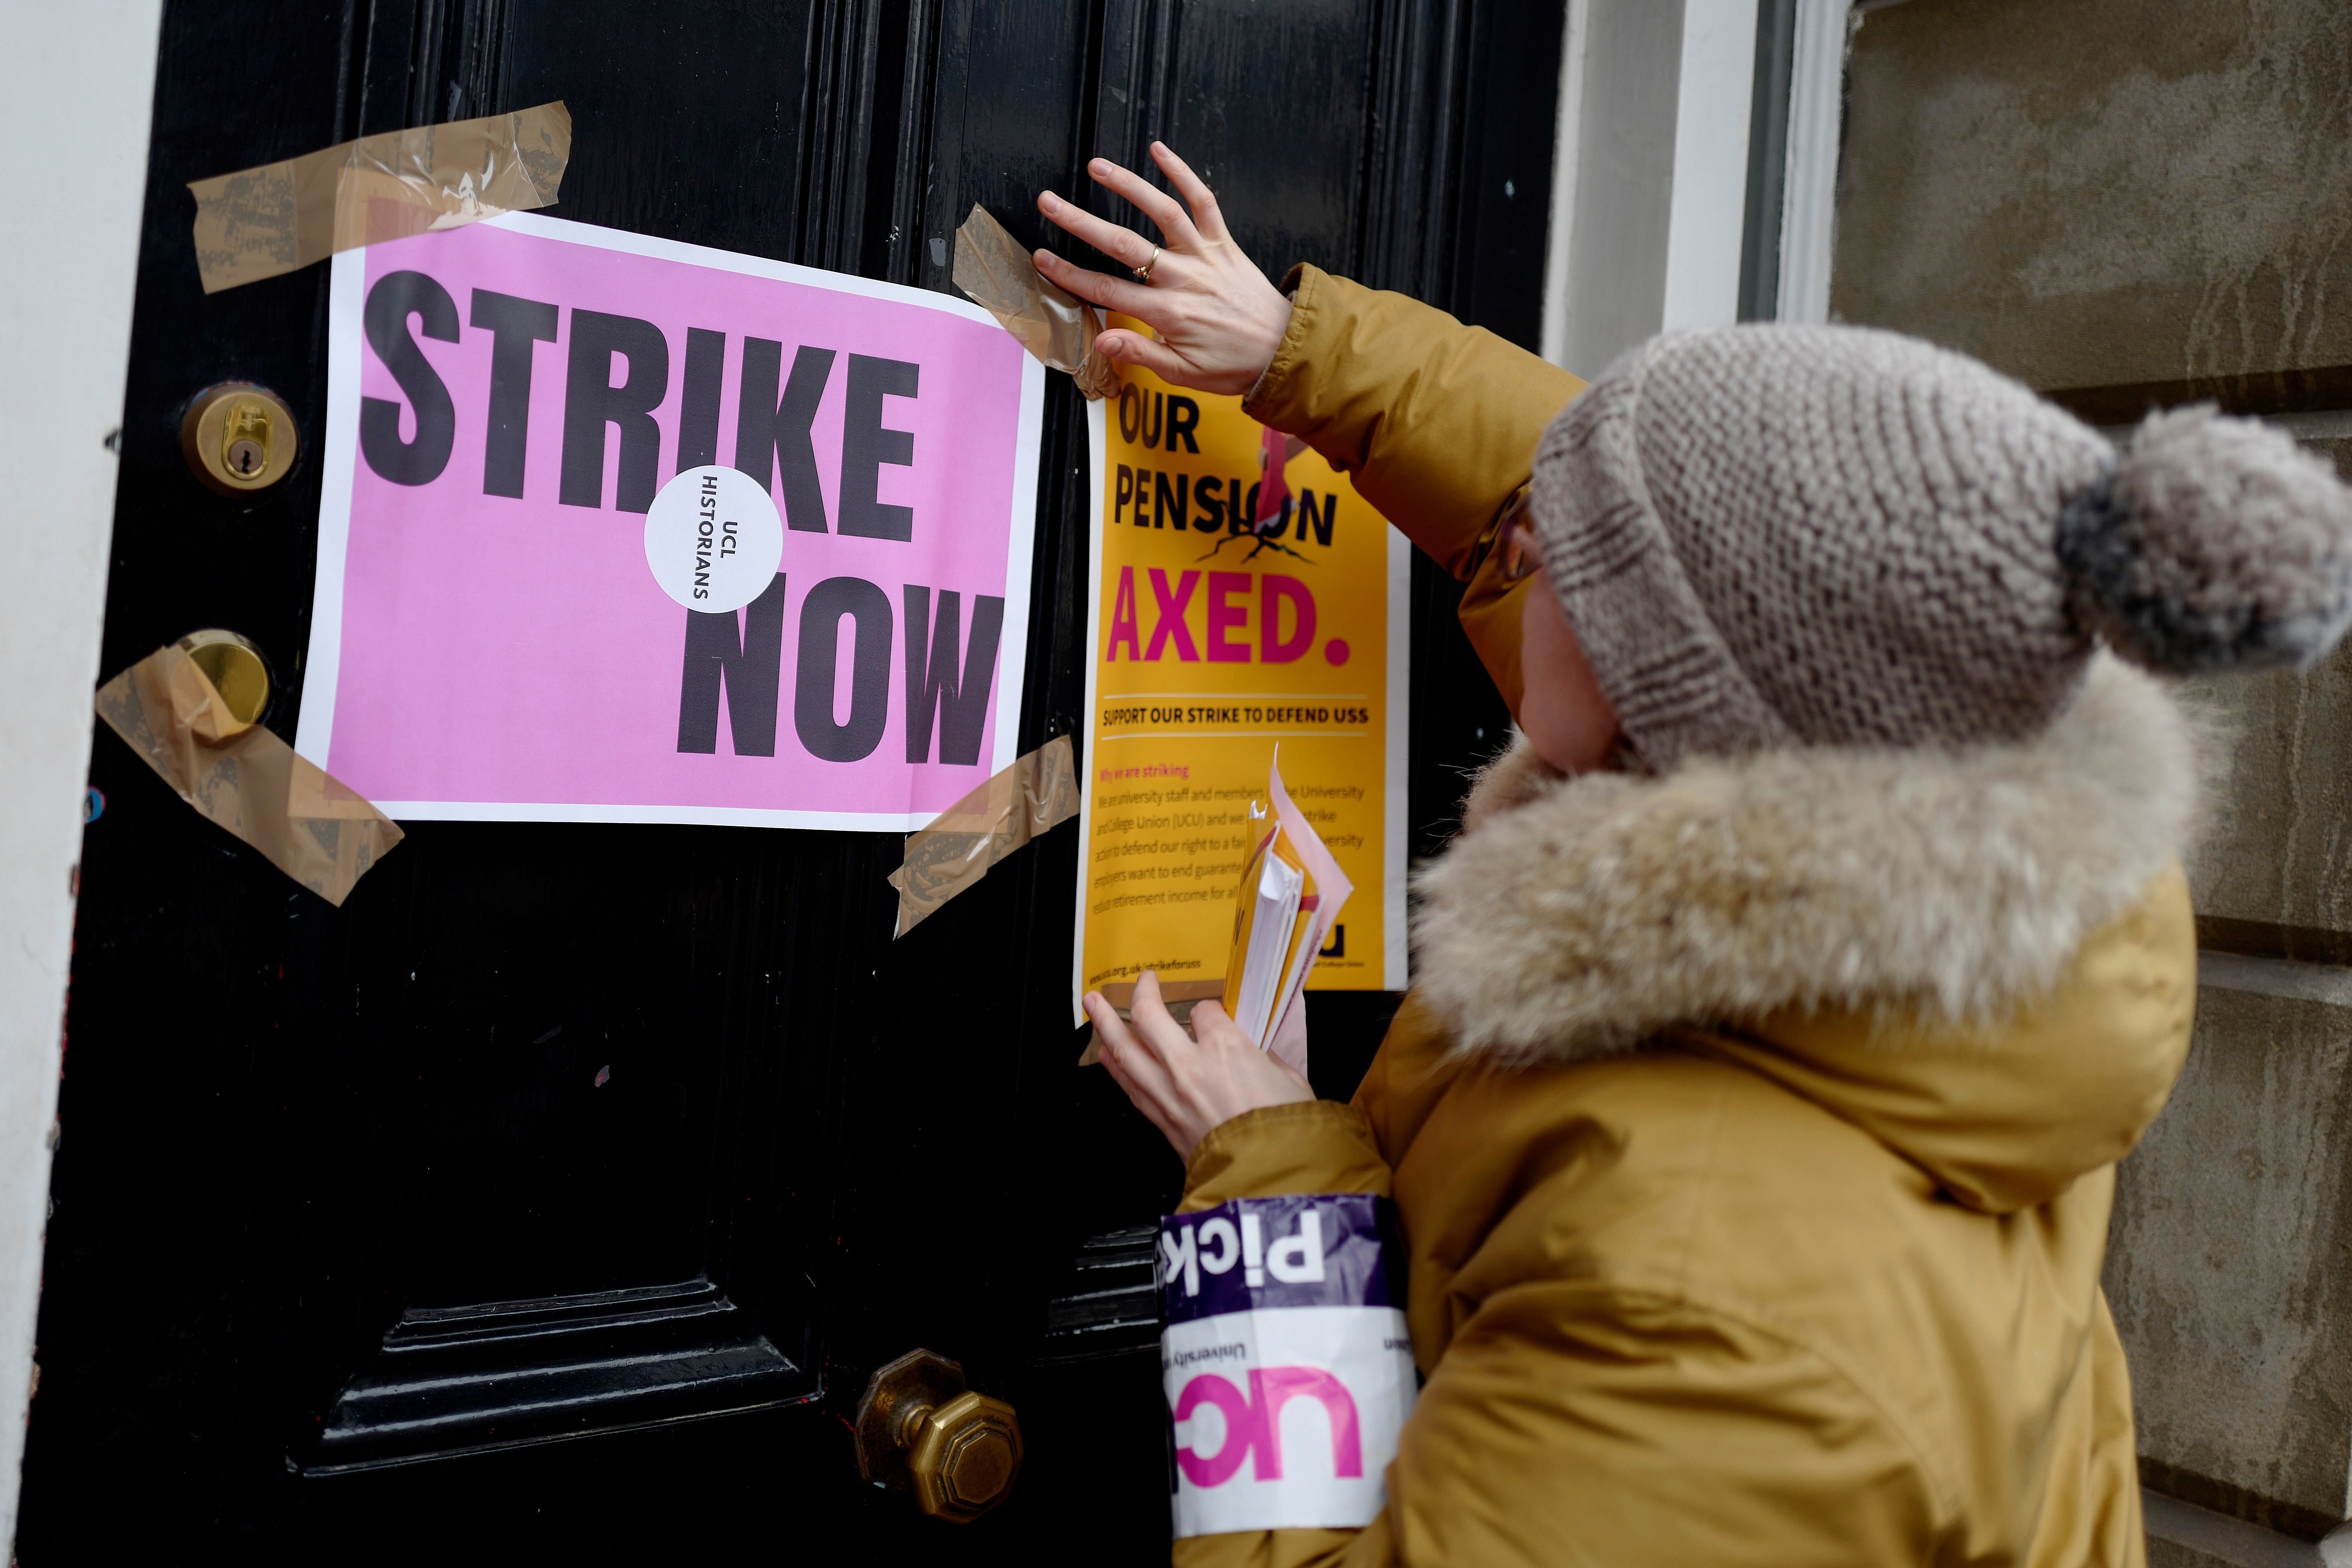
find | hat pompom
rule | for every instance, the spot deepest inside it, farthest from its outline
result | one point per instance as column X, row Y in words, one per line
column 2214, row 543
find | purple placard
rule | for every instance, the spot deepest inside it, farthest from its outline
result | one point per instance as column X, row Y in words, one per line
column 1312, row 1250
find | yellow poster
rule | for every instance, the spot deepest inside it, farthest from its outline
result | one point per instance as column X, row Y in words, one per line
column 1245, row 599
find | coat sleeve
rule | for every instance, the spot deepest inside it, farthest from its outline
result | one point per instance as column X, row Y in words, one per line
column 1436, row 422
column 1573, row 1421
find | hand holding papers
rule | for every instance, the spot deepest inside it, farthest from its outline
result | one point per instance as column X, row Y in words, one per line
column 1275, row 942
column 1191, row 1079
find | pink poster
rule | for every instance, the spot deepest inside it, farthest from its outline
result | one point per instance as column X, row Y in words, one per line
column 620, row 529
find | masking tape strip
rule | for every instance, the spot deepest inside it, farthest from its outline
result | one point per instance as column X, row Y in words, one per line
column 1039, row 791
column 1051, row 322
column 245, row 778
column 257, row 223
column 1179, row 994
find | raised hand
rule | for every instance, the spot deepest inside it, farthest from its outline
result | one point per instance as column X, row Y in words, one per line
column 1218, row 318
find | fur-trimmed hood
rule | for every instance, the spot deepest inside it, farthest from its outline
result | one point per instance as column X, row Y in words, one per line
column 1576, row 917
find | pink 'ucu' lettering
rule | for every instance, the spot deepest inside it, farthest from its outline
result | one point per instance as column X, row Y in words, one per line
column 1253, row 1422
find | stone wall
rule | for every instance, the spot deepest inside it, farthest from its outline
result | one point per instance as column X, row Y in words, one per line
column 2104, row 193
column 2134, row 202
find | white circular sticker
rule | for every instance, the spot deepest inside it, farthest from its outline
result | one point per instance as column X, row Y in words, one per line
column 713, row 538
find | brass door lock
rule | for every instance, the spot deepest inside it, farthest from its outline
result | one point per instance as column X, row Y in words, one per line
column 920, row 1429
column 238, row 437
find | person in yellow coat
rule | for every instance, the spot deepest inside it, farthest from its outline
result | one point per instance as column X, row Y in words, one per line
column 1797, row 978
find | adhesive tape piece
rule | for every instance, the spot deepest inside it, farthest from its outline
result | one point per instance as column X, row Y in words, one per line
column 1038, row 792
column 1179, row 994
column 258, row 223
column 1052, row 323
column 318, row 831
column 198, row 705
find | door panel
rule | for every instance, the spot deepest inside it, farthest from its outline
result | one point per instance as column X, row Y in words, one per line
column 651, row 1138
column 1269, row 103
column 571, row 1142
column 713, row 154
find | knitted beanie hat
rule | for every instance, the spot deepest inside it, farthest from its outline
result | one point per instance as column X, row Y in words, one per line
column 1767, row 536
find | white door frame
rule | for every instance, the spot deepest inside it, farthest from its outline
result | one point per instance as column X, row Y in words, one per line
column 1816, row 114
column 65, row 285
column 1650, row 176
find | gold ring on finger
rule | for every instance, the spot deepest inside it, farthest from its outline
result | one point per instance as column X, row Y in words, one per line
column 1143, row 273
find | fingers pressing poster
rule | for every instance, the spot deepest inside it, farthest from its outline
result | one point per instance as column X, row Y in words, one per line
column 1245, row 599
column 541, row 597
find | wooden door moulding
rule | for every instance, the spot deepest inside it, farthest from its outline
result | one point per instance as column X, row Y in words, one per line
column 459, row 1381
column 1415, row 142
column 844, row 75
column 1112, row 1305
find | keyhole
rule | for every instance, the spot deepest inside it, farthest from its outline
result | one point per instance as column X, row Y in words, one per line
column 237, row 438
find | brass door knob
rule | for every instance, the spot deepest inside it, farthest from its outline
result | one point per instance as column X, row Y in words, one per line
column 920, row 1429
column 239, row 677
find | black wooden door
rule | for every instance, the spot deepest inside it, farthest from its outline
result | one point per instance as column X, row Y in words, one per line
column 559, row 1192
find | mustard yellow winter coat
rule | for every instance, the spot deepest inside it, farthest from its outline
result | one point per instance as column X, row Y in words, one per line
column 1752, row 1128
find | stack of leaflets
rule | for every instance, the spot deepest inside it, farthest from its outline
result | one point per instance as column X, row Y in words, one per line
column 1289, row 895
column 1273, row 910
